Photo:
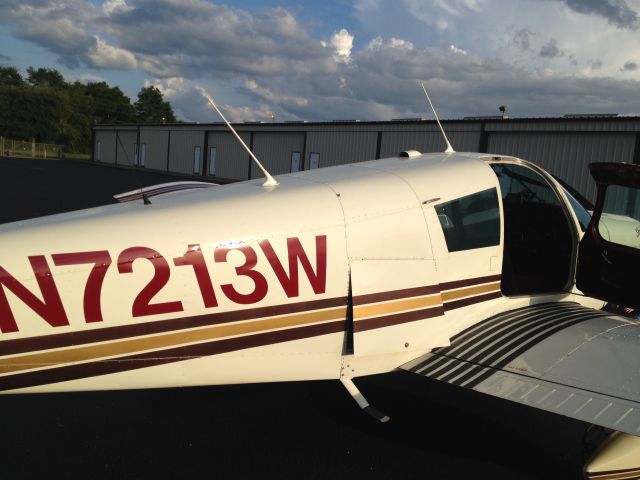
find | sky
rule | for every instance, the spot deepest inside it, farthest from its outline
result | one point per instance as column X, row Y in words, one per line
column 337, row 59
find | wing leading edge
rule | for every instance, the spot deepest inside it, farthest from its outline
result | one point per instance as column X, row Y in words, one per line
column 562, row 357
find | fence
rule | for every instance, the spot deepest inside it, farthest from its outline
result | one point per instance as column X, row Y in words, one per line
column 22, row 148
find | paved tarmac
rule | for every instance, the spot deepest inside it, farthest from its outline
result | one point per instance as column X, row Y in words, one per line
column 302, row 430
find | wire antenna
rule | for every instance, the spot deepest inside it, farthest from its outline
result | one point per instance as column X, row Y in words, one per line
column 449, row 147
column 269, row 180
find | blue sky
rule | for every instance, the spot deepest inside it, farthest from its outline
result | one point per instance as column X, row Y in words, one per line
column 333, row 59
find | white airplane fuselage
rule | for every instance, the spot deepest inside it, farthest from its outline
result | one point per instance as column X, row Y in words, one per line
column 338, row 272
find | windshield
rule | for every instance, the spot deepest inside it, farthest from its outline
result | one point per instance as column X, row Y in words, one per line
column 584, row 217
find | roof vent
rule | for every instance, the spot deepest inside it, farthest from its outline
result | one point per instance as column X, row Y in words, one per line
column 409, row 154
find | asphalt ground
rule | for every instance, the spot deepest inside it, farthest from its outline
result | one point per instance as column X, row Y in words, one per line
column 301, row 430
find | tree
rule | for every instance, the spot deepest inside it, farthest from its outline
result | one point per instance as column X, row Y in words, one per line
column 76, row 118
column 45, row 77
column 151, row 108
column 11, row 77
column 27, row 113
column 110, row 105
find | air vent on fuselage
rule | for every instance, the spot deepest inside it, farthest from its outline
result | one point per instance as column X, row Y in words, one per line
column 409, row 154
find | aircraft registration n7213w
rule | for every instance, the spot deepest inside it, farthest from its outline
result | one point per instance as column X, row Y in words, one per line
column 478, row 270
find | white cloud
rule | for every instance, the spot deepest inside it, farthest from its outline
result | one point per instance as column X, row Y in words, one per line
column 539, row 57
column 89, row 78
column 380, row 43
column 104, row 55
column 110, row 6
column 517, row 31
column 169, row 86
column 249, row 114
column 266, row 94
column 455, row 49
column 342, row 42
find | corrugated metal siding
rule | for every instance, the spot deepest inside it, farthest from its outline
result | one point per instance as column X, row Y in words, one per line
column 591, row 125
column 232, row 160
column 156, row 148
column 566, row 155
column 564, row 147
column 394, row 142
column 107, row 141
column 338, row 148
column 126, row 146
column 274, row 149
column 183, row 143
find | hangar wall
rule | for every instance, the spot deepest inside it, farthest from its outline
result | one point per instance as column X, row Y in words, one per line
column 226, row 157
column 563, row 146
column 155, row 144
column 275, row 151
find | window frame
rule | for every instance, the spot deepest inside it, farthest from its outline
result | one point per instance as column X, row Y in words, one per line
column 461, row 228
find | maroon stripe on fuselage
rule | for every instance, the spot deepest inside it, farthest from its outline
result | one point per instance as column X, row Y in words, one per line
column 465, row 302
column 60, row 340
column 469, row 282
column 162, row 357
column 397, row 319
column 395, row 295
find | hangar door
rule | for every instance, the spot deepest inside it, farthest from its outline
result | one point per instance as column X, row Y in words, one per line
column 279, row 152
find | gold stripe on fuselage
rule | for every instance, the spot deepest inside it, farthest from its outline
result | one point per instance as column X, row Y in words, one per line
column 469, row 291
column 115, row 348
column 123, row 347
column 396, row 306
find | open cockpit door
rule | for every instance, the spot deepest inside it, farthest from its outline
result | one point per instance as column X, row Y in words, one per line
column 609, row 253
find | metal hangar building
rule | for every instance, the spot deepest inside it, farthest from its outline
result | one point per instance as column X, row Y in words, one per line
column 563, row 146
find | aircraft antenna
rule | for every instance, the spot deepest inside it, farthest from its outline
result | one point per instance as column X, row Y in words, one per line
column 270, row 181
column 449, row 147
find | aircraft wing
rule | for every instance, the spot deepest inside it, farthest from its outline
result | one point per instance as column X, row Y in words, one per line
column 562, row 357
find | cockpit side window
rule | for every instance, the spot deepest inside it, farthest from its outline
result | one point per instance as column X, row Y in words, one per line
column 470, row 222
column 584, row 217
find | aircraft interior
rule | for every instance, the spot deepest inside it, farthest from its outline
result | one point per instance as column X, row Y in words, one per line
column 538, row 240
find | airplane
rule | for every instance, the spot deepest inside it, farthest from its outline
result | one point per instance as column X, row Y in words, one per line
column 474, row 269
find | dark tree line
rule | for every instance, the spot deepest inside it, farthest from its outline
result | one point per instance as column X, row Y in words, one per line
column 47, row 108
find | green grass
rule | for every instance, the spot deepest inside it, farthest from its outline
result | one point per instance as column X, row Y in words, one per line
column 78, row 156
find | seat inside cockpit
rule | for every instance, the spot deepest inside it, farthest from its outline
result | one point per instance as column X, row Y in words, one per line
column 538, row 238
